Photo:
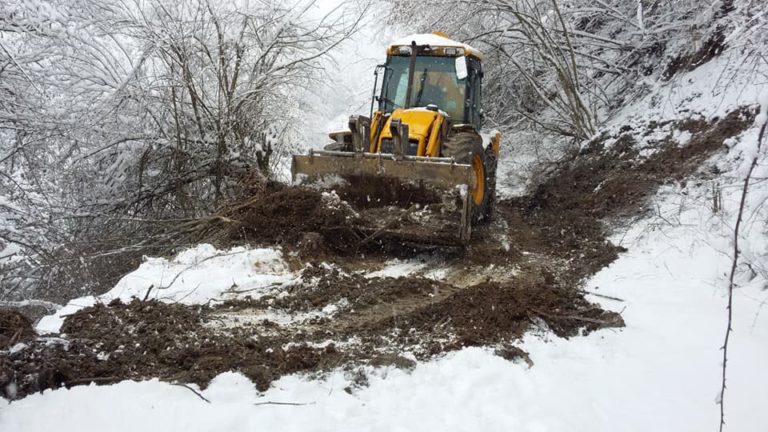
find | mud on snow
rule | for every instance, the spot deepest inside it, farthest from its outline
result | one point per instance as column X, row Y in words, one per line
column 522, row 272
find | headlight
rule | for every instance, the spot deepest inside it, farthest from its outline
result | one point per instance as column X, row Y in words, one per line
column 454, row 51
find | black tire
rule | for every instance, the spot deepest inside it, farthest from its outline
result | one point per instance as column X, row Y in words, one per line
column 492, row 162
column 465, row 147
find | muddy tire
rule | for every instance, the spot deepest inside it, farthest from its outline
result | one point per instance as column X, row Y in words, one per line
column 467, row 148
column 492, row 162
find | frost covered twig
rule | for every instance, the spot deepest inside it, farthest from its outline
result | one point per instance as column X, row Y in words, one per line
column 601, row 295
column 762, row 120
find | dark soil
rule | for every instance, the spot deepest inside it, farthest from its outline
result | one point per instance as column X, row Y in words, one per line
column 110, row 343
column 494, row 313
column 303, row 220
column 285, row 215
column 565, row 216
column 14, row 328
column 321, row 287
column 711, row 48
column 177, row 343
column 617, row 182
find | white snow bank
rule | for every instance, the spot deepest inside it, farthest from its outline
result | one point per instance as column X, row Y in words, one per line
column 700, row 91
column 195, row 276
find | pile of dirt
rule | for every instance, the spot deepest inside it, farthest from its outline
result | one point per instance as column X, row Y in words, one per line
column 495, row 314
column 343, row 220
column 321, row 286
column 381, row 318
column 570, row 235
column 138, row 340
column 14, row 328
column 428, row 317
column 603, row 183
column 564, row 217
column 290, row 215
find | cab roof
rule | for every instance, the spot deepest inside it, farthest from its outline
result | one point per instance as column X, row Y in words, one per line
column 433, row 40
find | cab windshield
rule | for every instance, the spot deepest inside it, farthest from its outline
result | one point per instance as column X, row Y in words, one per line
column 434, row 82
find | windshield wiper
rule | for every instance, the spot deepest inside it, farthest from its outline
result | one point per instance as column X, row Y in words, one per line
column 422, row 80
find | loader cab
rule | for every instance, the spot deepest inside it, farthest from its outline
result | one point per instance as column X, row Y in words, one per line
column 425, row 76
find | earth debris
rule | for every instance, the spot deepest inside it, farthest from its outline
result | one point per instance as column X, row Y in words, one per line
column 524, row 271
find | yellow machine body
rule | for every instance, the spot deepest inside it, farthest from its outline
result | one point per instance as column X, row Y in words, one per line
column 406, row 143
column 424, row 127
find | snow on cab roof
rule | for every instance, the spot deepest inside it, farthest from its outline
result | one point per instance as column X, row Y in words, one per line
column 434, row 40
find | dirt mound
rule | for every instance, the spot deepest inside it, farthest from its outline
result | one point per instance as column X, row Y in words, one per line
column 493, row 314
column 378, row 319
column 344, row 219
column 321, row 286
column 564, row 217
column 110, row 343
column 617, row 181
column 14, row 328
column 286, row 214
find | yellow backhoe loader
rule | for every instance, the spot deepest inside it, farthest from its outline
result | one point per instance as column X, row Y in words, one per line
column 424, row 138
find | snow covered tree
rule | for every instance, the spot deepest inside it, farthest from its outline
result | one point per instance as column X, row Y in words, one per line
column 117, row 114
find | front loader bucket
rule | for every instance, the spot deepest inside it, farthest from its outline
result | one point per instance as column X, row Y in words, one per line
column 416, row 199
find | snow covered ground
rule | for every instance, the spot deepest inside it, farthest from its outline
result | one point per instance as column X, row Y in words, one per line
column 661, row 372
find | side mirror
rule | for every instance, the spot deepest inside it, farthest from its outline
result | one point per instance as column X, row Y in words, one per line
column 461, row 67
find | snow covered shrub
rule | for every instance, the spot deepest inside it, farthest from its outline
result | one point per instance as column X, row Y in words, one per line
column 119, row 119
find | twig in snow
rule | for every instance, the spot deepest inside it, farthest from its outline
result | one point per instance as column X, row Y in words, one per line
column 193, row 391
column 575, row 318
column 284, row 403
column 149, row 290
column 734, row 263
column 234, row 291
column 600, row 295
column 78, row 381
